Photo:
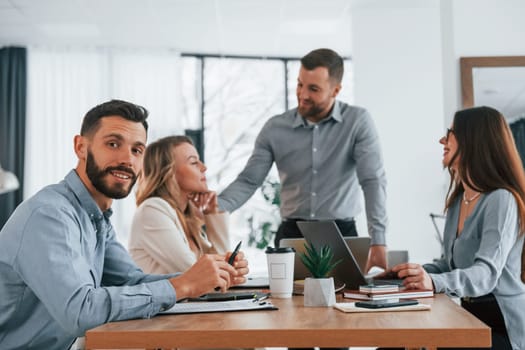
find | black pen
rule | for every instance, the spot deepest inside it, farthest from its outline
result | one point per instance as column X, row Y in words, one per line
column 234, row 254
column 232, row 258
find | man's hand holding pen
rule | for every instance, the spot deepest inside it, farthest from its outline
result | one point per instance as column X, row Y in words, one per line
column 237, row 260
column 240, row 264
column 209, row 272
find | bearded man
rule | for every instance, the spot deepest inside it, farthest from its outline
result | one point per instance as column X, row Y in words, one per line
column 326, row 152
column 62, row 270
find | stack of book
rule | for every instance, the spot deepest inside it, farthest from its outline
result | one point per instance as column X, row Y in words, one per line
column 380, row 288
column 381, row 292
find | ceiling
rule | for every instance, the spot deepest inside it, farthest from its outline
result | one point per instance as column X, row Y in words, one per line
column 283, row 28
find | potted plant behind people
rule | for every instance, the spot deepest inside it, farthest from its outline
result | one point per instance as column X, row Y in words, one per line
column 319, row 289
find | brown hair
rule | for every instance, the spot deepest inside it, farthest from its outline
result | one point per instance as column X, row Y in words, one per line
column 325, row 58
column 124, row 109
column 158, row 180
column 488, row 159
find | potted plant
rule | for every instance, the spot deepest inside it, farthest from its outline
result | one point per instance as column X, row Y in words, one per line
column 319, row 289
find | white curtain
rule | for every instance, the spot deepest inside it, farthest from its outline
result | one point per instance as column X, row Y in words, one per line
column 64, row 83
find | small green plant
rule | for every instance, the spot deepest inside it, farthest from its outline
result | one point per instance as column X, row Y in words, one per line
column 319, row 263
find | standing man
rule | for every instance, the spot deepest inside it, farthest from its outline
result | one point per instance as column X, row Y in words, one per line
column 324, row 150
column 62, row 270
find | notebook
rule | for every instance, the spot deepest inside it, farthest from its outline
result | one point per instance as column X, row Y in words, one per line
column 350, row 307
column 219, row 306
column 407, row 293
column 321, row 233
column 231, row 296
column 358, row 245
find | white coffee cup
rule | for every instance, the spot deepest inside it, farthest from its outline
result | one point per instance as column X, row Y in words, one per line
column 280, row 271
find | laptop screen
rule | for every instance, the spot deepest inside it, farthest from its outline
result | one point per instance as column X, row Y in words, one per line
column 321, row 233
column 358, row 245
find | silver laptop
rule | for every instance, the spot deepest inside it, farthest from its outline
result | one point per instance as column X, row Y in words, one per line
column 358, row 246
column 321, row 233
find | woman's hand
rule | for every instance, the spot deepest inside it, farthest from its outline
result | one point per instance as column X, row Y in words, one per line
column 206, row 202
column 414, row 276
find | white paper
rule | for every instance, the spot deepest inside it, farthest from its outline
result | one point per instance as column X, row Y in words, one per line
column 219, row 306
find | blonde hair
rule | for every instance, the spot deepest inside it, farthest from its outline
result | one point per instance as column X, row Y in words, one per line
column 158, row 180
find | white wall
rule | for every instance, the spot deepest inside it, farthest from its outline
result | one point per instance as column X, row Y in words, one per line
column 406, row 62
column 489, row 27
column 398, row 78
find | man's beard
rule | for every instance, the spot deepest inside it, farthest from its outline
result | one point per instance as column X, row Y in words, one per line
column 311, row 110
column 97, row 175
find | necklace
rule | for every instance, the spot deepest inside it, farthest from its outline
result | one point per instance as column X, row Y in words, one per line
column 468, row 200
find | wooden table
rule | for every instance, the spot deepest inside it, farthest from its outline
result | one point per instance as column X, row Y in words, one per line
column 294, row 325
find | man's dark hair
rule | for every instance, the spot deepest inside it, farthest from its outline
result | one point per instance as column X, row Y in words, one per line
column 325, row 58
column 124, row 109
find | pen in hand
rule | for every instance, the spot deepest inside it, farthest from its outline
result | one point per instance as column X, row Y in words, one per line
column 234, row 254
column 232, row 258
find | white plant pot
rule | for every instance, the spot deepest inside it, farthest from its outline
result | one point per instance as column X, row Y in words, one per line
column 319, row 292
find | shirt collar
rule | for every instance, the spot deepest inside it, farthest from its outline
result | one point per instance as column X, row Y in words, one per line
column 334, row 115
column 84, row 197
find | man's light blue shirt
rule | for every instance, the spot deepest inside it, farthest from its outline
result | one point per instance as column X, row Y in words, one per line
column 63, row 272
column 322, row 168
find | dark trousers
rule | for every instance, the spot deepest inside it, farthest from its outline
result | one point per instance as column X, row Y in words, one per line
column 486, row 309
column 289, row 229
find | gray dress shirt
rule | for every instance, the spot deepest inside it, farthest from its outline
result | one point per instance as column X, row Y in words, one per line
column 321, row 168
column 487, row 259
column 63, row 272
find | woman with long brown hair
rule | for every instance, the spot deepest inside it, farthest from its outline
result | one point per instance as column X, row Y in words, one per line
column 173, row 203
column 484, row 228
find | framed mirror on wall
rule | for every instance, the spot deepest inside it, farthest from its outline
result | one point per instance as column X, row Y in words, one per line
column 497, row 81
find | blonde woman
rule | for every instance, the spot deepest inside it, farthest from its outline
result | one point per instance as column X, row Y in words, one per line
column 173, row 203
